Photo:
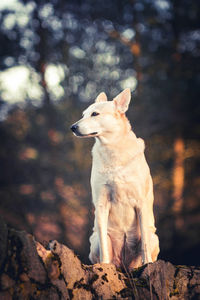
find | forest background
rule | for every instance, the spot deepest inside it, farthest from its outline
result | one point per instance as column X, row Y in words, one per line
column 56, row 56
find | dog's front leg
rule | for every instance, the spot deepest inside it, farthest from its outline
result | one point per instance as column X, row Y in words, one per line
column 144, row 227
column 102, row 212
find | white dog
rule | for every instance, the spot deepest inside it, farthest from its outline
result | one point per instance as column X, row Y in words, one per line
column 122, row 189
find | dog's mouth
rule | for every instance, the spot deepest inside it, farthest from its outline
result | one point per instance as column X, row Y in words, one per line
column 87, row 135
column 93, row 133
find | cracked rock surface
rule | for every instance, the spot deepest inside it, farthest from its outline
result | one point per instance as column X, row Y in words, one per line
column 30, row 271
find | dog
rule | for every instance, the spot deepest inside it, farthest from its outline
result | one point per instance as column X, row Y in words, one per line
column 124, row 231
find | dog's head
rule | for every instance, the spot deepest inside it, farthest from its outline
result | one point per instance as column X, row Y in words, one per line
column 103, row 117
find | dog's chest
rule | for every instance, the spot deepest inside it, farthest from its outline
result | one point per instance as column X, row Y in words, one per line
column 123, row 172
column 123, row 196
column 123, row 181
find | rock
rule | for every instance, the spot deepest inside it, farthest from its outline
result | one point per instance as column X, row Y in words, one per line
column 68, row 259
column 106, row 281
column 28, row 256
column 30, row 271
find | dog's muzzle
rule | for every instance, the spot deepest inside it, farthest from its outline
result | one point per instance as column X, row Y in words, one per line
column 75, row 130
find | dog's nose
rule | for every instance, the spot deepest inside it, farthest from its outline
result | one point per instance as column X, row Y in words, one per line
column 74, row 127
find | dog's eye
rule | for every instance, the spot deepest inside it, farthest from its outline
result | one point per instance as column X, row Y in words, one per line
column 94, row 114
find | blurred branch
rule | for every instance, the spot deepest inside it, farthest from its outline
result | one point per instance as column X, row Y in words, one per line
column 134, row 47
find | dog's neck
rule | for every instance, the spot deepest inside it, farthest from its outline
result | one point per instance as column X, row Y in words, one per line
column 118, row 149
column 114, row 137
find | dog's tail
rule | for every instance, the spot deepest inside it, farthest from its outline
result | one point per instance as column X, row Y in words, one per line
column 125, row 254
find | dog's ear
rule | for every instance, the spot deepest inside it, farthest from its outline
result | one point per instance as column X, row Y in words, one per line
column 101, row 98
column 122, row 100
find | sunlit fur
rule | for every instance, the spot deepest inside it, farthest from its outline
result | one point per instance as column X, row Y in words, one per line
column 122, row 190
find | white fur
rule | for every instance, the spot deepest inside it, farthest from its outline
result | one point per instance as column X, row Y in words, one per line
column 122, row 189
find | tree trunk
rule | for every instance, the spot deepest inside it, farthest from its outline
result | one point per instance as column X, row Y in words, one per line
column 29, row 271
column 178, row 180
column 42, row 50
